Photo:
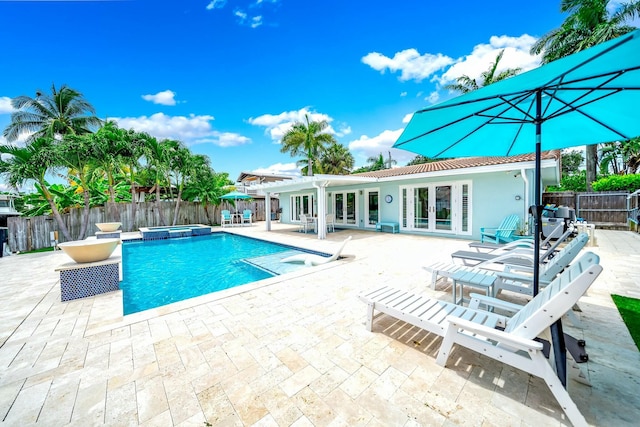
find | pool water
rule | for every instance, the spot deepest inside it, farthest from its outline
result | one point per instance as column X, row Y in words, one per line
column 159, row 272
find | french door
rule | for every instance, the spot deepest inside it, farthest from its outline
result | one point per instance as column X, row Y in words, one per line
column 345, row 207
column 371, row 207
column 441, row 208
column 301, row 204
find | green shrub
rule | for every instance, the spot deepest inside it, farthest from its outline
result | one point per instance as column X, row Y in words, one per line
column 574, row 182
column 629, row 183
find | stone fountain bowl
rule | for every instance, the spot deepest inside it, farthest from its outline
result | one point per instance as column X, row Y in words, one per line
column 108, row 226
column 92, row 250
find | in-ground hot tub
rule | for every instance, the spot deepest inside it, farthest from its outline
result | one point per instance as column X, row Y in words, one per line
column 90, row 250
column 155, row 233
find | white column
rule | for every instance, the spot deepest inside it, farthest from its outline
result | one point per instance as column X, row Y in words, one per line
column 267, row 210
column 321, row 222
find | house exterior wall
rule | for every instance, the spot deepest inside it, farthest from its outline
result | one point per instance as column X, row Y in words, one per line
column 493, row 196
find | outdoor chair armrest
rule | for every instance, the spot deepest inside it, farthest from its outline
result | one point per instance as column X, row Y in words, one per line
column 495, row 334
column 478, row 299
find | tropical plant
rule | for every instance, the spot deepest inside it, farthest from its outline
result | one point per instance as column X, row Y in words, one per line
column 629, row 183
column 590, row 22
column 620, row 157
column 376, row 163
column 63, row 112
column 465, row 84
column 308, row 139
column 157, row 167
column 336, row 160
column 571, row 161
column 206, row 186
column 573, row 182
column 32, row 163
column 79, row 153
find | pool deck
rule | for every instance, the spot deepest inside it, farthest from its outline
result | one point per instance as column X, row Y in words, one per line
column 294, row 350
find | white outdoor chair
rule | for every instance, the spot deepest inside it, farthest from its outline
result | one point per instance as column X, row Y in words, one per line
column 331, row 222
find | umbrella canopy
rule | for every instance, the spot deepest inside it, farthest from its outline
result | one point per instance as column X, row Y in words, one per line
column 235, row 196
column 586, row 98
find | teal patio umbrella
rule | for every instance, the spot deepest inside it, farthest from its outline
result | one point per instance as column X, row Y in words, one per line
column 586, row 98
column 235, row 196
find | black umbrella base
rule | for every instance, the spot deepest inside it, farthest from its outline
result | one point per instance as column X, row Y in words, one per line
column 575, row 347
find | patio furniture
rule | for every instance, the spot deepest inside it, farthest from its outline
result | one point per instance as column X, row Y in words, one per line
column 330, row 219
column 393, row 226
column 313, row 260
column 474, row 257
column 476, row 329
column 521, row 241
column 226, row 218
column 514, row 277
column 503, row 233
column 247, row 216
column 307, row 222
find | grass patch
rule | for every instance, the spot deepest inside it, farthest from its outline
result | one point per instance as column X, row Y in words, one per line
column 35, row 251
column 629, row 309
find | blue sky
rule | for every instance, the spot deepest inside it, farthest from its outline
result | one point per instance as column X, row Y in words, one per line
column 228, row 77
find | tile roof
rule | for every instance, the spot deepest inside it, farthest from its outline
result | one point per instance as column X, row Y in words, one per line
column 458, row 163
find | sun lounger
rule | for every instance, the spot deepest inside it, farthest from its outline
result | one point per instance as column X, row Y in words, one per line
column 476, row 329
column 513, row 277
column 312, row 260
column 498, row 255
column 526, row 242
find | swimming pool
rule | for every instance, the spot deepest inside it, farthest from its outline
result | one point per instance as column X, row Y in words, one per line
column 159, row 272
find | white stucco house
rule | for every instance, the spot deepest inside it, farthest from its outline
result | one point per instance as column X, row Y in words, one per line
column 447, row 198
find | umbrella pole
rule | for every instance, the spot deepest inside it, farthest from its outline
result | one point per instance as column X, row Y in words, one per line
column 557, row 335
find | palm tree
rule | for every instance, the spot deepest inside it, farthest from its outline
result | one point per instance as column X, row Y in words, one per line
column 337, row 160
column 376, row 163
column 79, row 153
column 32, row 163
column 467, row 84
column 62, row 112
column 158, row 166
column 206, row 186
column 589, row 23
column 308, row 139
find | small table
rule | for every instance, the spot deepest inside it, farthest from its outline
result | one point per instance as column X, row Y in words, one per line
column 476, row 278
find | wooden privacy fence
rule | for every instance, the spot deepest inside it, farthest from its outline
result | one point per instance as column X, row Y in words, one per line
column 27, row 234
column 604, row 209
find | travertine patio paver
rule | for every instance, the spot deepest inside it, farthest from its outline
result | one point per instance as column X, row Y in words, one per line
column 293, row 351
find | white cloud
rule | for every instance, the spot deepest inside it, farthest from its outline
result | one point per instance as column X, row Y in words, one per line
column 516, row 55
column 277, row 125
column 403, row 94
column 5, row 105
column 409, row 62
column 288, row 169
column 433, row 97
column 216, row 4
column 166, row 97
column 407, row 118
column 366, row 147
column 224, row 139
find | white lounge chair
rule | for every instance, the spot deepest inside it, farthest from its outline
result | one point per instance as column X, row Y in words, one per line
column 513, row 281
column 526, row 247
column 476, row 329
column 312, row 260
